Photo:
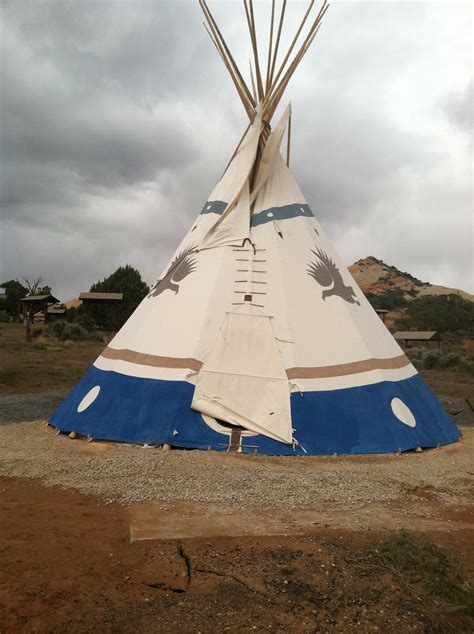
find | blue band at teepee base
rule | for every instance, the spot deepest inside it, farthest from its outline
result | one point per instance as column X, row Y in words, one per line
column 356, row 420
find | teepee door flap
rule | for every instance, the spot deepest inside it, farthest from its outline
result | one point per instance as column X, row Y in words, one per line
column 243, row 381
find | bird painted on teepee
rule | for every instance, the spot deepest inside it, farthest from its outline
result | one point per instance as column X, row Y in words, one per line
column 325, row 272
column 182, row 266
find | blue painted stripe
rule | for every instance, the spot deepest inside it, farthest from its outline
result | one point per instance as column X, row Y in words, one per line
column 214, row 207
column 267, row 215
column 355, row 420
column 281, row 213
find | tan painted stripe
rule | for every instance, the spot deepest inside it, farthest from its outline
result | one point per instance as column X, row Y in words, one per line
column 151, row 359
column 345, row 369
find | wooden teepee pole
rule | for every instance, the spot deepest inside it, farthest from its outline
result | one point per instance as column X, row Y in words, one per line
column 303, row 21
column 270, row 45
column 288, row 143
column 248, row 107
column 276, row 90
column 218, row 36
column 253, row 39
column 254, row 91
column 270, row 94
column 309, row 38
column 275, row 99
column 277, row 43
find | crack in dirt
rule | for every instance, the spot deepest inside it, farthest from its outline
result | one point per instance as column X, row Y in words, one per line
column 163, row 586
column 236, row 579
column 187, row 562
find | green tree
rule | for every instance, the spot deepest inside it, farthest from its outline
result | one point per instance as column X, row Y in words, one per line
column 391, row 299
column 14, row 291
column 446, row 313
column 126, row 280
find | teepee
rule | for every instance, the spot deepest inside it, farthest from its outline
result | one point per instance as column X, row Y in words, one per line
column 256, row 337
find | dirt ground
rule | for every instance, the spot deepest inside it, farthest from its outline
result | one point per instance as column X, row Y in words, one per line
column 71, row 563
column 44, row 364
column 67, row 565
column 374, row 543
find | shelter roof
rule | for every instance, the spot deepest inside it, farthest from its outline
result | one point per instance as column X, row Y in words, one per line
column 417, row 335
column 101, row 297
column 40, row 298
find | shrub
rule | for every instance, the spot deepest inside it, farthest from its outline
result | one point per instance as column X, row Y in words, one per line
column 57, row 328
column 430, row 359
column 68, row 331
column 466, row 365
column 73, row 332
column 450, row 360
column 4, row 317
column 415, row 353
column 39, row 346
column 86, row 321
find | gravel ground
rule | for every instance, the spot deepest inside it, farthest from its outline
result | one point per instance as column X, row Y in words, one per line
column 130, row 474
column 24, row 407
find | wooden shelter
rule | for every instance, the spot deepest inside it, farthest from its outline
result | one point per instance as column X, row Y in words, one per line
column 32, row 304
column 101, row 307
column 423, row 336
column 100, row 298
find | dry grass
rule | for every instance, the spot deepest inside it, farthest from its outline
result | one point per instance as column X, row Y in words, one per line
column 43, row 364
column 47, row 364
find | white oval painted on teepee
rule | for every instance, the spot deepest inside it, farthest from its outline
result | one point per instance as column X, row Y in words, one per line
column 270, row 214
column 402, row 412
column 89, row 398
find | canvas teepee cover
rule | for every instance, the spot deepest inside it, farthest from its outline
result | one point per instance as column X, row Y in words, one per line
column 255, row 336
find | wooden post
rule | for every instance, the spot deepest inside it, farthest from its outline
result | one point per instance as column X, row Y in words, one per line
column 28, row 317
column 235, row 440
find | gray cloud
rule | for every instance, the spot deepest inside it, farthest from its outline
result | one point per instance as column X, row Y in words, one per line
column 459, row 108
column 117, row 119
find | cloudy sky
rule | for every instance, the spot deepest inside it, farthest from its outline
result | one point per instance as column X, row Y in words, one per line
column 117, row 118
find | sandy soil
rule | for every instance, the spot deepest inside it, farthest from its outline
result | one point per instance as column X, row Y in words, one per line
column 67, row 565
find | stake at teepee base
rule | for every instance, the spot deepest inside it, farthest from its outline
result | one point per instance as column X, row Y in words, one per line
column 256, row 337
